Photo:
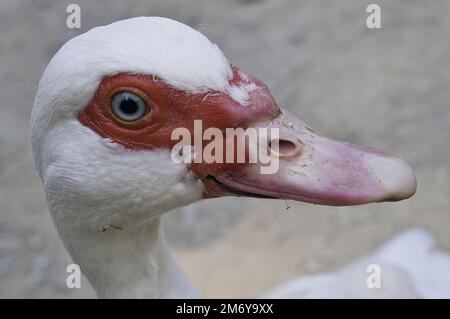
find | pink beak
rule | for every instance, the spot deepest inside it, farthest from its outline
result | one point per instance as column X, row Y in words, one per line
column 318, row 170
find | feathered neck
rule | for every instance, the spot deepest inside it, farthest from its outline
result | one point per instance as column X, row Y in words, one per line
column 129, row 263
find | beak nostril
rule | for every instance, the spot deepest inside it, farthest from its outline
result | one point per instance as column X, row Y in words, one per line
column 286, row 148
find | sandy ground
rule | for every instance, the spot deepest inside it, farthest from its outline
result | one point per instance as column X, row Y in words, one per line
column 386, row 88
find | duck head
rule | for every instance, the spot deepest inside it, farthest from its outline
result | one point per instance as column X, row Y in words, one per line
column 107, row 108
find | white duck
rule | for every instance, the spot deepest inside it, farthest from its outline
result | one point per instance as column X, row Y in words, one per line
column 102, row 122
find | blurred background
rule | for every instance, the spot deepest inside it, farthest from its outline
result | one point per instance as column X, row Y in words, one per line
column 386, row 88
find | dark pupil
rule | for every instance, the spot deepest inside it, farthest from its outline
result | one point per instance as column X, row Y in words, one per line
column 129, row 106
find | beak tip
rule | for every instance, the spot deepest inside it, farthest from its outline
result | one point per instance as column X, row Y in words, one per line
column 396, row 177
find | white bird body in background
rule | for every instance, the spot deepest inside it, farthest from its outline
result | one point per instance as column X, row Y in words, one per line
column 410, row 266
column 102, row 125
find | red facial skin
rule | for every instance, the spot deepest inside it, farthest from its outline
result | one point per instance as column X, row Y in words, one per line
column 171, row 108
column 337, row 173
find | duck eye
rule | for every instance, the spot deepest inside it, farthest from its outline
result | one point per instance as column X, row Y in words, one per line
column 128, row 107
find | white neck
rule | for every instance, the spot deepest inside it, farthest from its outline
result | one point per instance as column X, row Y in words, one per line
column 129, row 263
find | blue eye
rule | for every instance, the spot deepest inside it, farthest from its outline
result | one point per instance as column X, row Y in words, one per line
column 128, row 107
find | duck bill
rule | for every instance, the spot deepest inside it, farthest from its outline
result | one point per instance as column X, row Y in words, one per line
column 309, row 168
